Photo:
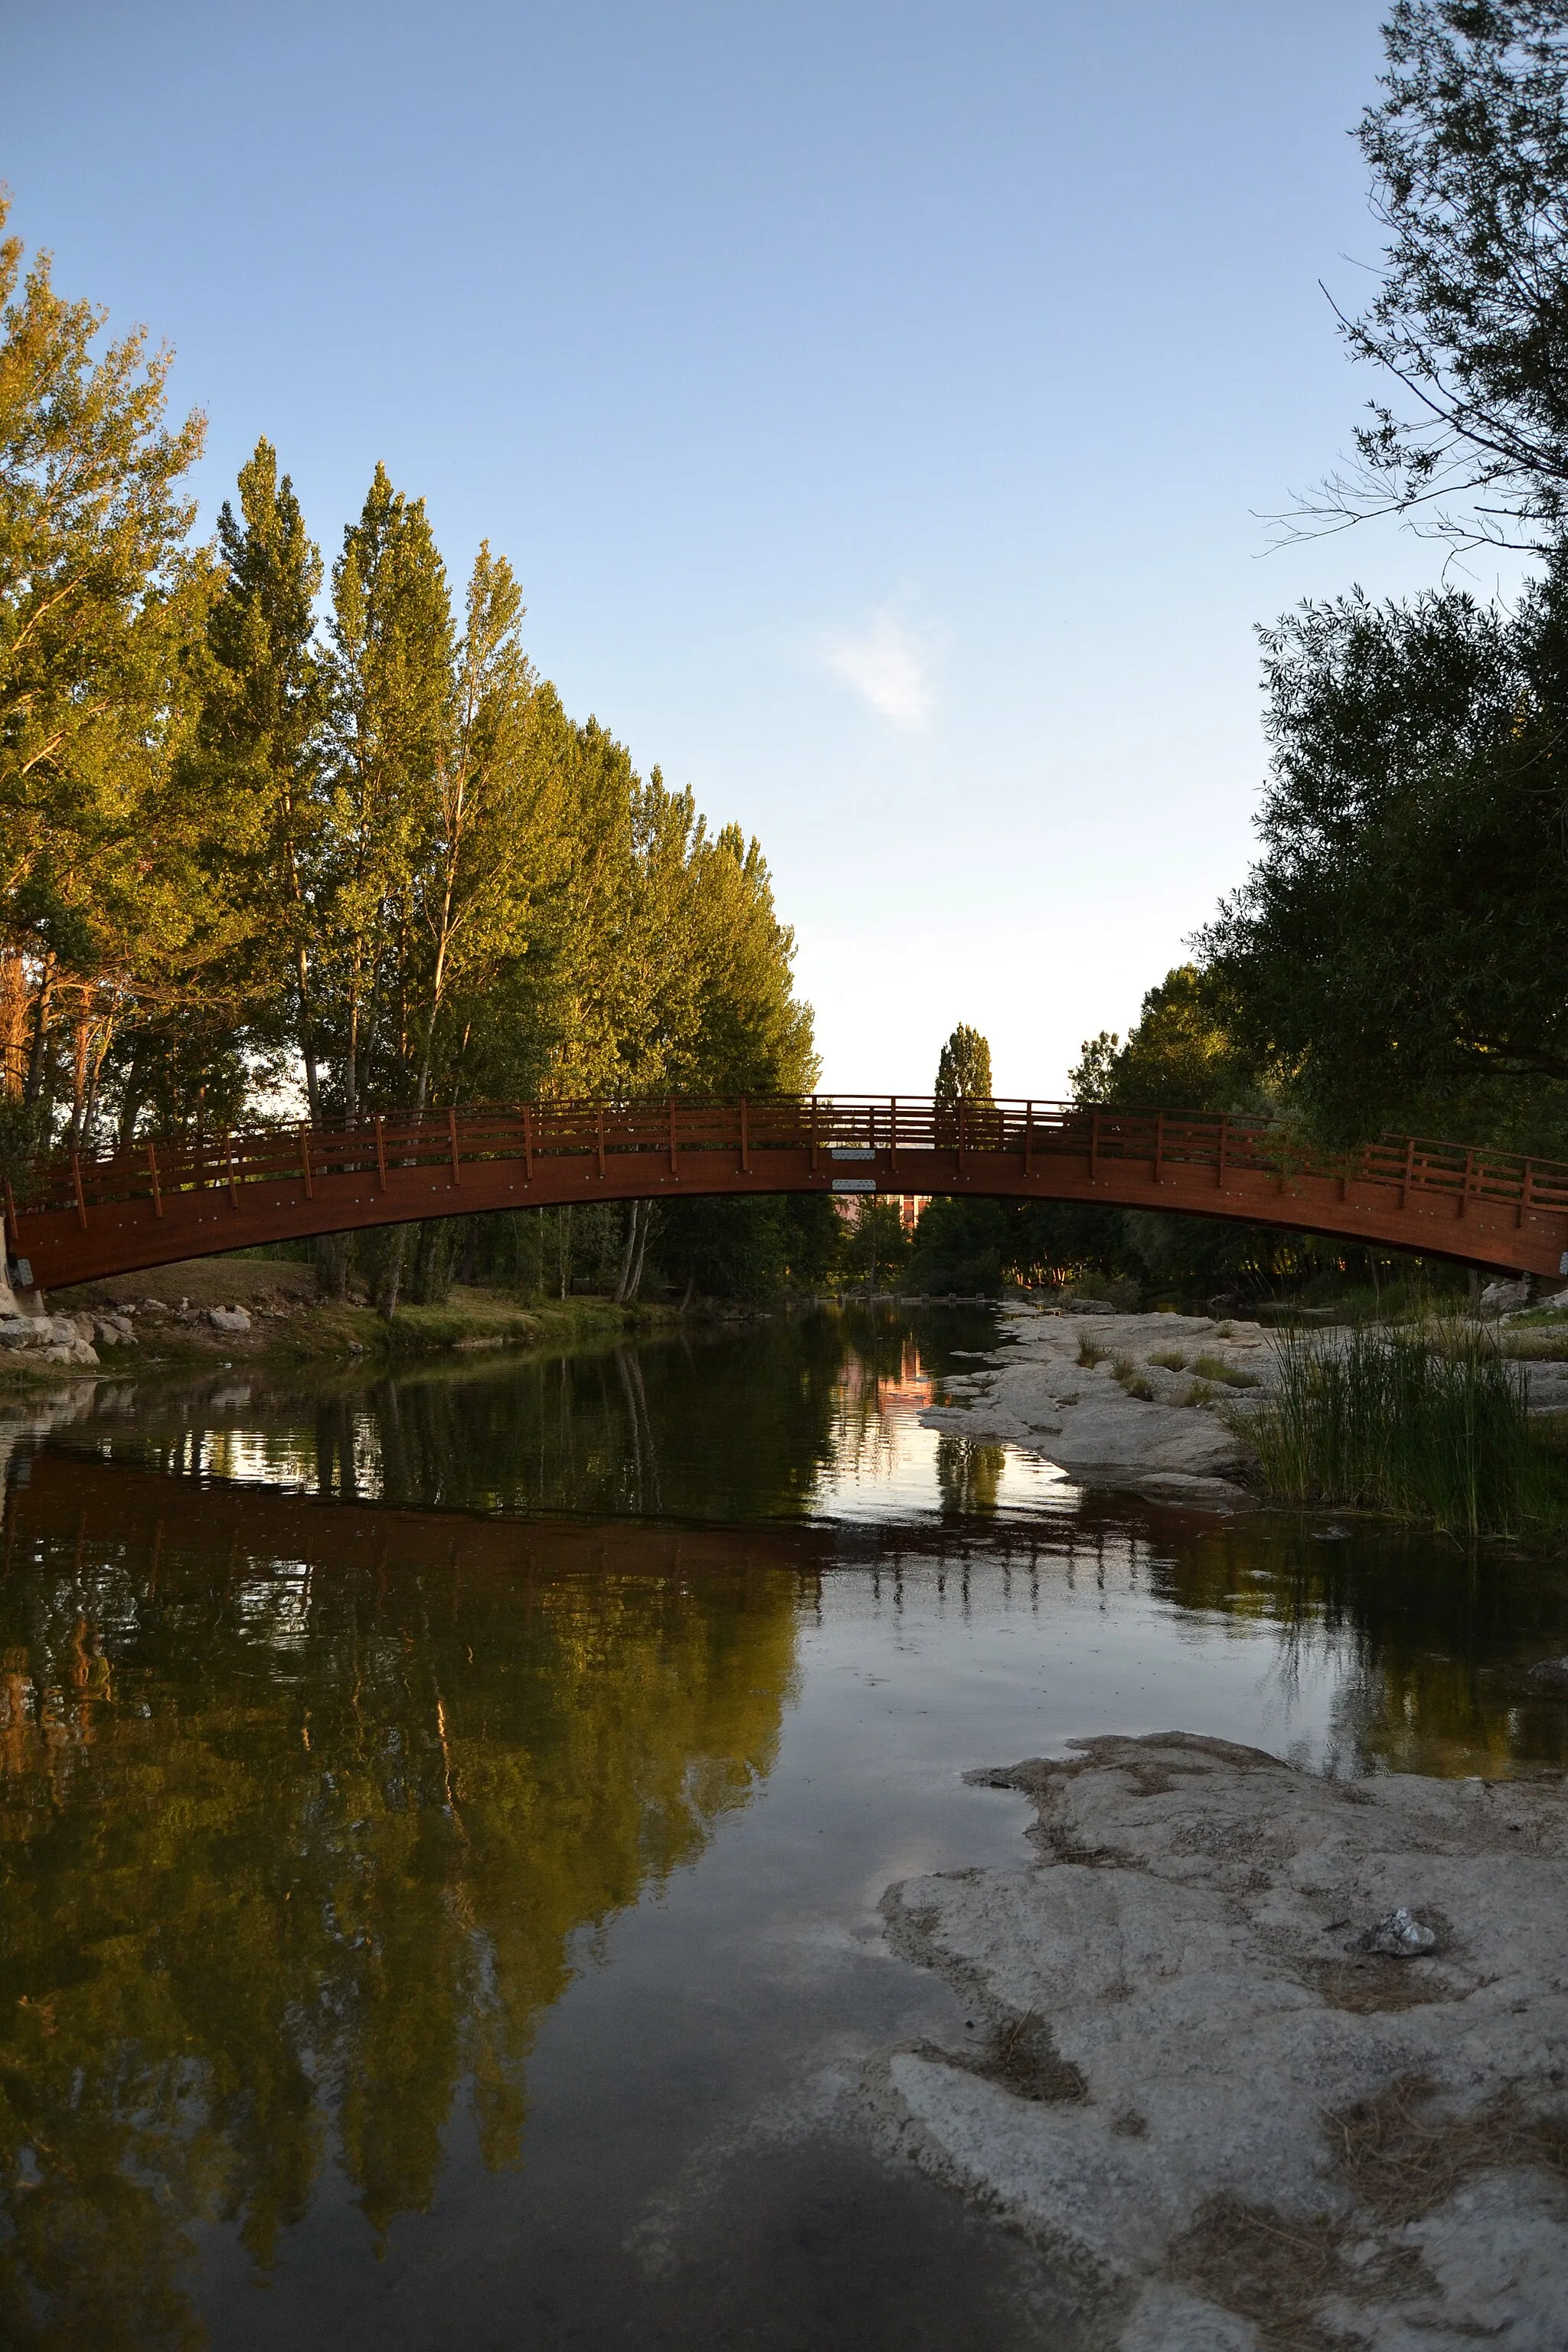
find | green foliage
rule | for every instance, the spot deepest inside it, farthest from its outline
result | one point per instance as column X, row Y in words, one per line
column 964, row 1245
column 1432, row 1425
column 1468, row 149
column 107, row 898
column 964, row 1069
column 260, row 741
column 748, row 1249
column 875, row 1248
column 1395, row 952
column 376, row 858
column 1183, row 1054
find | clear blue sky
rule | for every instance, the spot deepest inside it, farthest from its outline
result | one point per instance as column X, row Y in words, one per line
column 878, row 402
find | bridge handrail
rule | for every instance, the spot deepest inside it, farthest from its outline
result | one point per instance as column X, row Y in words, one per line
column 827, row 1124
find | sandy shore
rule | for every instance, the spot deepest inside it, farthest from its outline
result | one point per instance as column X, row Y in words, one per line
column 1199, row 2077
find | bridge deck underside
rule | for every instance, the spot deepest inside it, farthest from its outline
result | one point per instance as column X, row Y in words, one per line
column 95, row 1238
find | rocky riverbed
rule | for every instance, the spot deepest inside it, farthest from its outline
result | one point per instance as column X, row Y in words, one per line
column 1259, row 2058
column 1154, row 1404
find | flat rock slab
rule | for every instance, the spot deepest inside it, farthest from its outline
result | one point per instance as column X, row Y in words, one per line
column 1176, row 1442
column 1230, row 2122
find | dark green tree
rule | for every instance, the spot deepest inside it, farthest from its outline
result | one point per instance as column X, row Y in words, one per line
column 1469, row 151
column 1182, row 1055
column 1396, row 957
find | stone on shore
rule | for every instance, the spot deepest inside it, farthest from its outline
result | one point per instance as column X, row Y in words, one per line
column 1211, row 2078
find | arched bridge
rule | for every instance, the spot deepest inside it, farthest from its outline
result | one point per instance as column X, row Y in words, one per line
column 84, row 1217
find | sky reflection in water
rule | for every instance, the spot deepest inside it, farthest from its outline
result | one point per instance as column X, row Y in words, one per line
column 415, row 1891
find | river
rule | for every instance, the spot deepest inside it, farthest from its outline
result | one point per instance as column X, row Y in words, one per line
column 444, row 1823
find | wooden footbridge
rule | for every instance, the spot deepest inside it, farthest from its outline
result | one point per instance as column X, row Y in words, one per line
column 83, row 1217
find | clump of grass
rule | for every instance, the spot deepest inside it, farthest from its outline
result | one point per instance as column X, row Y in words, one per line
column 1539, row 1346
column 1215, row 1367
column 1199, row 1392
column 1171, row 1359
column 1090, row 1353
column 1126, row 1373
column 1431, row 1424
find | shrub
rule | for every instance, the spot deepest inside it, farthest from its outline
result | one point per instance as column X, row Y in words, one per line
column 1089, row 1353
column 1171, row 1359
column 1127, row 1373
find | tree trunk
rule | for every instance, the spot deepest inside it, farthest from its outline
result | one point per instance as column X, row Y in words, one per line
column 308, row 1043
column 36, row 1060
column 636, row 1283
column 627, row 1249
column 332, row 1256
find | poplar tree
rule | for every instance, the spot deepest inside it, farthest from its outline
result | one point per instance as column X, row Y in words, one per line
column 261, row 727
column 964, row 1069
column 101, row 613
column 391, row 715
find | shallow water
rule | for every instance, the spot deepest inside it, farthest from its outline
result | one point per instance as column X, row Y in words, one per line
column 443, row 1824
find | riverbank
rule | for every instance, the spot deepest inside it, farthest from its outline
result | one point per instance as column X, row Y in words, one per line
column 206, row 1312
column 1159, row 1404
column 1254, row 2056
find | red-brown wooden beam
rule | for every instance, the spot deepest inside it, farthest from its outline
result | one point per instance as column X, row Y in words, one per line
column 82, row 1219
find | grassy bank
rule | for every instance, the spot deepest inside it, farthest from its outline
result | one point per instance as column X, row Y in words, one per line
column 1429, row 1422
column 167, row 1309
column 465, row 1321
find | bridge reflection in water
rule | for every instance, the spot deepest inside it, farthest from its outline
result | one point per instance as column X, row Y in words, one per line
column 81, row 1218
column 312, row 1816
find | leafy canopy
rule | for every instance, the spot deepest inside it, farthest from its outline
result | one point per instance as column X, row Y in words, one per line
column 1395, row 956
column 1469, row 151
column 964, row 1069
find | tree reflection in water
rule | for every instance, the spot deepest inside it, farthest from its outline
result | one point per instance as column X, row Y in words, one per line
column 310, row 1813
column 297, row 1855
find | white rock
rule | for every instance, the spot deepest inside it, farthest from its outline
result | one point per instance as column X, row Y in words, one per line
column 228, row 1318
column 1035, row 1394
column 1193, row 1941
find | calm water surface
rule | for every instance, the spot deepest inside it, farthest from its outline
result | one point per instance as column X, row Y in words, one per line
column 443, row 1824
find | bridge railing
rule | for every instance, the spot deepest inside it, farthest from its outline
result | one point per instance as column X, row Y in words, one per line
column 832, row 1127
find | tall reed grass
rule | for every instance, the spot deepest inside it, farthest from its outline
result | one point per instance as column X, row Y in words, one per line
column 1430, row 1422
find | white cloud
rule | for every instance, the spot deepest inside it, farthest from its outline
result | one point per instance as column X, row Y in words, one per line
column 890, row 665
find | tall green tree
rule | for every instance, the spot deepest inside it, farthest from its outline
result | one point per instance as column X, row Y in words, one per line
column 1395, row 956
column 1468, row 152
column 101, row 612
column 1182, row 1054
column 261, row 730
column 392, row 653
column 964, row 1069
